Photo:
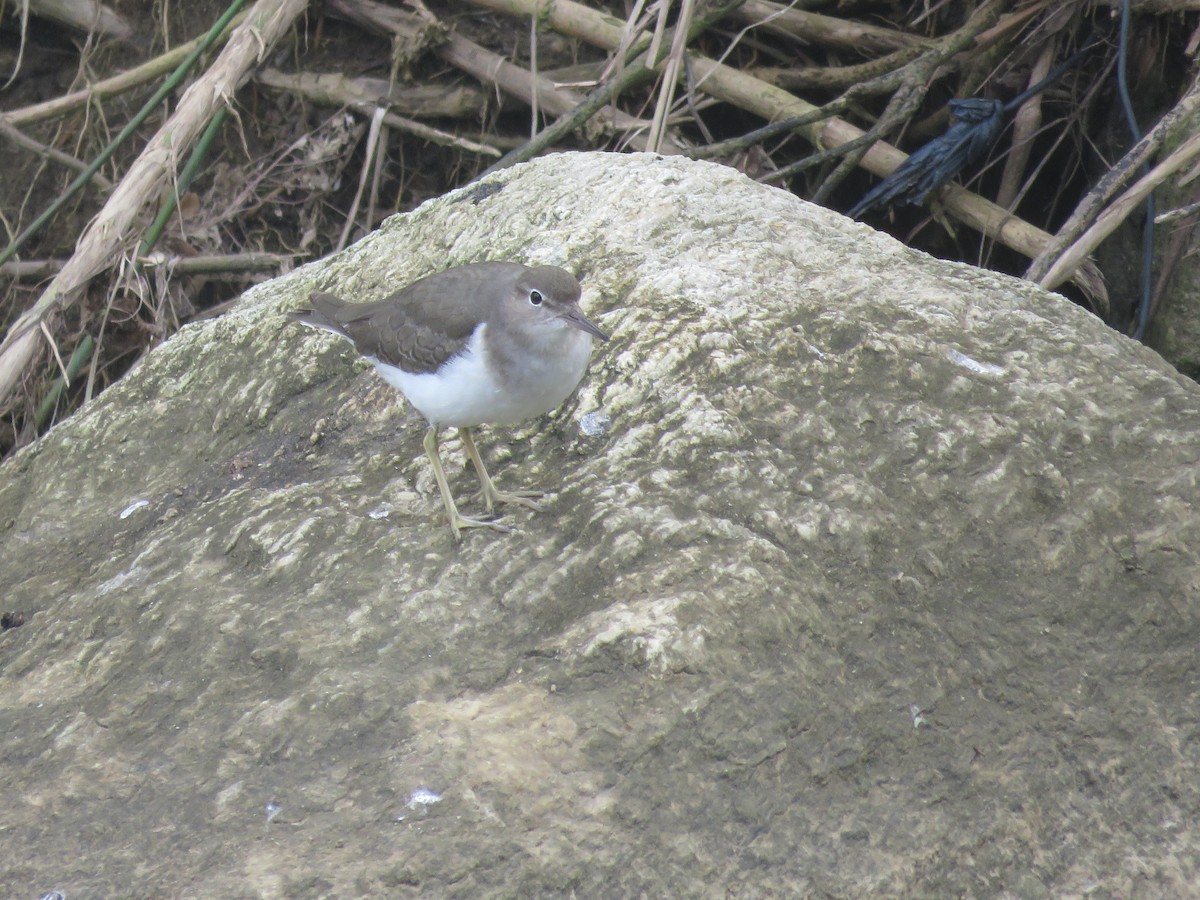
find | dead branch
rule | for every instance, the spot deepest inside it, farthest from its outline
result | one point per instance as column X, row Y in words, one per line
column 219, row 264
column 436, row 101
column 84, row 15
column 412, row 33
column 629, row 73
column 491, row 68
column 183, row 265
column 1026, row 122
column 833, row 78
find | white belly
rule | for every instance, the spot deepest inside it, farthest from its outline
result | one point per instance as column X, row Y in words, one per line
column 466, row 392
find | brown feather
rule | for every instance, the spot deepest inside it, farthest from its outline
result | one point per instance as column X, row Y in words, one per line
column 422, row 326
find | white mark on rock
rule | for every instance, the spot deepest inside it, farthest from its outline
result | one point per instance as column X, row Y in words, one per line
column 917, row 719
column 423, row 797
column 419, row 801
column 979, row 368
column 133, row 507
column 595, row 423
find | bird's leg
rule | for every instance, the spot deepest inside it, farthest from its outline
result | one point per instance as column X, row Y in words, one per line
column 457, row 521
column 491, row 496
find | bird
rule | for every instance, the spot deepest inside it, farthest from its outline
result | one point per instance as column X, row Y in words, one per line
column 491, row 343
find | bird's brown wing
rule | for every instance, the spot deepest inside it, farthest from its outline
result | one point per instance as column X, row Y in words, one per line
column 420, row 327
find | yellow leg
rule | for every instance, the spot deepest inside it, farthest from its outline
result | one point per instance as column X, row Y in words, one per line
column 457, row 521
column 492, row 496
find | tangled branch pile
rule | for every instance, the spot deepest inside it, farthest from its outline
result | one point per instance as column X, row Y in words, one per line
column 307, row 124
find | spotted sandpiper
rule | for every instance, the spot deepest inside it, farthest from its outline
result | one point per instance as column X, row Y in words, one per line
column 489, row 343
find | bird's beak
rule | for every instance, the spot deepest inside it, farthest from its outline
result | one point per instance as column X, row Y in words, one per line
column 577, row 319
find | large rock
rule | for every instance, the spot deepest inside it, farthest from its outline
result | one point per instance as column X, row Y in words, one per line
column 881, row 580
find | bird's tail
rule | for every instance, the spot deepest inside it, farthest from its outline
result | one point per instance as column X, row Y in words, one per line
column 322, row 314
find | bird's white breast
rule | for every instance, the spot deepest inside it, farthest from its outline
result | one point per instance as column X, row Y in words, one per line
column 475, row 389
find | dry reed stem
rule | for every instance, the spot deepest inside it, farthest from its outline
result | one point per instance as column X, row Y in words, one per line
column 1026, row 122
column 666, row 94
column 1087, row 210
column 370, row 160
column 111, row 232
column 489, row 67
column 110, row 87
column 1108, row 221
column 826, row 31
column 363, row 95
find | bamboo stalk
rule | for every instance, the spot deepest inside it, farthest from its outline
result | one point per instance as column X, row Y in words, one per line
column 183, row 182
column 81, row 355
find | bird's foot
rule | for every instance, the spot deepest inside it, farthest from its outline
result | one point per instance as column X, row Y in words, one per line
column 459, row 522
column 492, row 497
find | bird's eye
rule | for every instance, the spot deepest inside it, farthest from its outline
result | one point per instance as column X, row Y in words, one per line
column 535, row 297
